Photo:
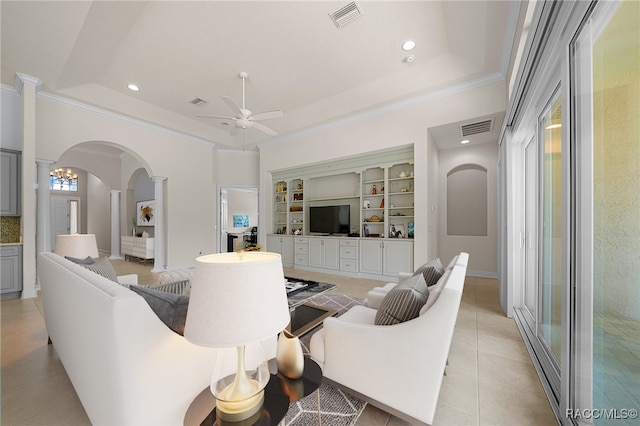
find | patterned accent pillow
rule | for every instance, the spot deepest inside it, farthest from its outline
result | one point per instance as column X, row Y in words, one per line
column 170, row 308
column 403, row 302
column 86, row 261
column 434, row 292
column 102, row 266
column 432, row 271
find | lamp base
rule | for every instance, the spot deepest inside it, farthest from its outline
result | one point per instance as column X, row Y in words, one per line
column 236, row 411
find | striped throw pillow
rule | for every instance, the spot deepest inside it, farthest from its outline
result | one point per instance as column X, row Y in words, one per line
column 403, row 302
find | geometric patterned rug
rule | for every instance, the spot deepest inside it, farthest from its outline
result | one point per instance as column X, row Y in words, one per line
column 336, row 407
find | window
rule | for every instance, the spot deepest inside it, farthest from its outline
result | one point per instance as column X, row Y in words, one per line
column 63, row 180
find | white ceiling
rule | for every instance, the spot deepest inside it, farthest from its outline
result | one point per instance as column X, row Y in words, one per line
column 296, row 58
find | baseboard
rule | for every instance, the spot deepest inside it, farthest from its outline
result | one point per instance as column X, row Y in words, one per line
column 482, row 274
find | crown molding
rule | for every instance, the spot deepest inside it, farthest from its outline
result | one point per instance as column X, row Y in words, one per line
column 21, row 79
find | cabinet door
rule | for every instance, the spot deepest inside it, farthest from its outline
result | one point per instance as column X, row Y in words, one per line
column 274, row 244
column 398, row 257
column 331, row 248
column 371, row 256
column 9, row 194
column 315, row 252
column 10, row 272
column 287, row 251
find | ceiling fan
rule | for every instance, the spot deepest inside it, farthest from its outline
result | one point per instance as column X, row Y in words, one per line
column 244, row 118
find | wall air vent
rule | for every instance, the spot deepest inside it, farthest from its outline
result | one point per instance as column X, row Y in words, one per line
column 346, row 14
column 477, row 127
column 198, row 102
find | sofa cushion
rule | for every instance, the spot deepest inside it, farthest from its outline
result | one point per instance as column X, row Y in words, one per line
column 86, row 261
column 434, row 292
column 103, row 266
column 432, row 271
column 403, row 302
column 170, row 308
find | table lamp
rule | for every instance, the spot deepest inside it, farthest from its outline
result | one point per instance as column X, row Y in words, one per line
column 76, row 245
column 237, row 301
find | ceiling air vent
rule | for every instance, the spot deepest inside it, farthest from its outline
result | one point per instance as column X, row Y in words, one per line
column 198, row 102
column 475, row 128
column 347, row 14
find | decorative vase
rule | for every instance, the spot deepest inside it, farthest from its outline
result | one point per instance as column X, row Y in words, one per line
column 289, row 355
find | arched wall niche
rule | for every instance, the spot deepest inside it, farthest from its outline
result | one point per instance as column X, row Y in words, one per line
column 467, row 200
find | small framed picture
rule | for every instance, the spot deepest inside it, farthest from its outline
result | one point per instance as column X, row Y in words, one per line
column 397, row 231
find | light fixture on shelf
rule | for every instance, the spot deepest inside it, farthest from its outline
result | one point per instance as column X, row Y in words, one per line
column 238, row 300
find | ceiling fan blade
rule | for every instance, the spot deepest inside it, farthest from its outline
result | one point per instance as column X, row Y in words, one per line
column 267, row 115
column 232, row 106
column 215, row 116
column 263, row 128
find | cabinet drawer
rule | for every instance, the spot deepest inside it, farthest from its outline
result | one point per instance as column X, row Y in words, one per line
column 348, row 265
column 349, row 243
column 302, row 248
column 302, row 240
column 302, row 259
column 10, row 250
column 348, row 252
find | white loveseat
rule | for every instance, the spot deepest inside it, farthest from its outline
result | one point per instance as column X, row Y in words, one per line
column 398, row 368
column 126, row 365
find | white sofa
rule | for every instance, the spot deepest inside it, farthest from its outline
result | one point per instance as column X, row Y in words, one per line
column 126, row 365
column 398, row 368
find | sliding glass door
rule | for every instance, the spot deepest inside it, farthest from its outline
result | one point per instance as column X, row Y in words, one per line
column 606, row 371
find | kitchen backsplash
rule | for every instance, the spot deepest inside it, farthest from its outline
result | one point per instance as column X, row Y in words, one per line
column 9, row 229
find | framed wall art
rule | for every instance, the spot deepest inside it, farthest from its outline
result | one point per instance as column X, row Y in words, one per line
column 146, row 213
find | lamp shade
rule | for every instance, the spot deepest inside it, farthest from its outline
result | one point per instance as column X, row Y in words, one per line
column 76, row 245
column 236, row 299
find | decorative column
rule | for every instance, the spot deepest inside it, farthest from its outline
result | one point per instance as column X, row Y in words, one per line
column 27, row 87
column 159, row 238
column 43, row 219
column 115, row 224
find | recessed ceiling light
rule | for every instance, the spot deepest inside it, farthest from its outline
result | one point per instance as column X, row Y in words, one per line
column 464, row 142
column 133, row 87
column 408, row 45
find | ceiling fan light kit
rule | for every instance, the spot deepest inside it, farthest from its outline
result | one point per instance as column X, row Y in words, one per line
column 244, row 118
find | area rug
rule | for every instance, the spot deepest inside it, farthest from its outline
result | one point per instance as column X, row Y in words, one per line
column 336, row 407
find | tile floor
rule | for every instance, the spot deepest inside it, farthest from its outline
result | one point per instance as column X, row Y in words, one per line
column 490, row 379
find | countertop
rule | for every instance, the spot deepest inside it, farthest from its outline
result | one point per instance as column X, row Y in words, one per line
column 10, row 244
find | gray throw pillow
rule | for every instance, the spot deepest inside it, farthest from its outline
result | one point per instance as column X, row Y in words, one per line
column 432, row 271
column 170, row 308
column 403, row 302
column 102, row 266
column 86, row 261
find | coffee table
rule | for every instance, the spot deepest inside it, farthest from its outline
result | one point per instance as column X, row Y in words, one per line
column 305, row 315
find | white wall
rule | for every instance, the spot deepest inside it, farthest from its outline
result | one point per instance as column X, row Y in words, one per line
column 398, row 125
column 190, row 185
column 483, row 256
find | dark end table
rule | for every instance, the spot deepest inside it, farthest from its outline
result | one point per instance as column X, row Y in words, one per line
column 278, row 394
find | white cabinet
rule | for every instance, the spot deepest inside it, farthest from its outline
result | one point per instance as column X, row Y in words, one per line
column 371, row 256
column 324, row 253
column 139, row 247
column 386, row 257
column 301, row 251
column 11, row 271
column 10, row 179
column 282, row 244
column 349, row 253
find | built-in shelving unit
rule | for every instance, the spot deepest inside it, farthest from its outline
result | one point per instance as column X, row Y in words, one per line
column 379, row 189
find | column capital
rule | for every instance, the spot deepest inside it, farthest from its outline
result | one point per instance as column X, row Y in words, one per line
column 158, row 178
column 42, row 163
column 22, row 79
column 114, row 191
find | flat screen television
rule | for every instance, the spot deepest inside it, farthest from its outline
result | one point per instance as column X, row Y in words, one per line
column 329, row 219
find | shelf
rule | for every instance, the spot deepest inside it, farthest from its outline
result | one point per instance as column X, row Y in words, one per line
column 344, row 197
column 401, row 193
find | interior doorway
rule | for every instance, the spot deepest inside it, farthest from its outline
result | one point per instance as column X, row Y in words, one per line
column 238, row 216
column 65, row 216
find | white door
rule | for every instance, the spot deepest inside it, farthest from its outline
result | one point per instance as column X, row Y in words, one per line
column 59, row 218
